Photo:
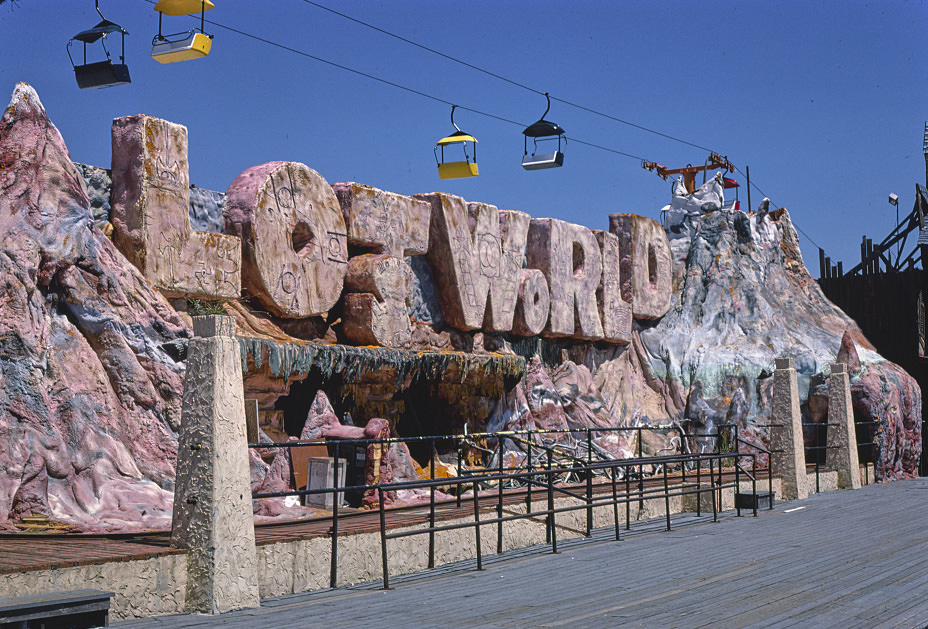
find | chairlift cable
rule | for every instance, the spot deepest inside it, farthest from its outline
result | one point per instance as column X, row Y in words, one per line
column 410, row 90
column 795, row 224
column 423, row 47
column 470, row 109
column 505, row 79
column 536, row 91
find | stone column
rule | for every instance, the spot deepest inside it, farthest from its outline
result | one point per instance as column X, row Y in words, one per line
column 842, row 439
column 786, row 432
column 212, row 500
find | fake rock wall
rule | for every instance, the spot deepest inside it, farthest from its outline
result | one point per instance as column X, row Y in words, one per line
column 91, row 395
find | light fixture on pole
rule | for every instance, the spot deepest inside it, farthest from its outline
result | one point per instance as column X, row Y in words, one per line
column 894, row 200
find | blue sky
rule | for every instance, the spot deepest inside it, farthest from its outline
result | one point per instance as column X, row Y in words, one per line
column 824, row 101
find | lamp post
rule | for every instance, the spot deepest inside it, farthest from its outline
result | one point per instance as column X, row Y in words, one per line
column 894, row 200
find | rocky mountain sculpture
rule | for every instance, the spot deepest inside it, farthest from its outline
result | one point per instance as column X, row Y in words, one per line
column 92, row 354
column 91, row 387
column 741, row 298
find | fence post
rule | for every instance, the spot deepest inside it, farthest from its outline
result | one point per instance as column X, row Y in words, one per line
column 551, row 519
column 615, row 505
column 698, row 486
column 336, row 498
column 432, row 506
column 589, row 484
column 666, row 497
column 460, row 487
column 477, row 526
column 841, row 454
column 499, row 504
column 383, row 539
column 786, row 434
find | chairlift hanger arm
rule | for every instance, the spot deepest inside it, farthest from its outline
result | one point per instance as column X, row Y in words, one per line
column 543, row 128
column 101, row 30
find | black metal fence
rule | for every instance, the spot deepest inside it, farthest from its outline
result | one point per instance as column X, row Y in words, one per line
column 867, row 445
column 543, row 465
column 815, row 438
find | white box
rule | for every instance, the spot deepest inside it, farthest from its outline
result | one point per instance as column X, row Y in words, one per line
column 319, row 474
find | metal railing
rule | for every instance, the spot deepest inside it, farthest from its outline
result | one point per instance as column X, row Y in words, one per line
column 818, row 452
column 553, row 463
column 867, row 447
column 741, row 445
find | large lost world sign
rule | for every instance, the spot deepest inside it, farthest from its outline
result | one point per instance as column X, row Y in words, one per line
column 287, row 237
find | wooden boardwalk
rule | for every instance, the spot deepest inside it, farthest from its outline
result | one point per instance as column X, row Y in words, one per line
column 837, row 559
column 21, row 552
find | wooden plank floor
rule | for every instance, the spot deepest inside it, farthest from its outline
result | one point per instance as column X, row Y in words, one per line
column 28, row 552
column 837, row 559
column 23, row 553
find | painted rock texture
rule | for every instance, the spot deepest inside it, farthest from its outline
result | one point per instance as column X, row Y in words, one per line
column 91, row 354
column 378, row 284
column 151, row 202
column 91, row 393
column 887, row 403
column 743, row 297
column 294, row 242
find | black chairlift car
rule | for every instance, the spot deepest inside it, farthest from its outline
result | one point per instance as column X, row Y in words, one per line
column 543, row 130
column 100, row 73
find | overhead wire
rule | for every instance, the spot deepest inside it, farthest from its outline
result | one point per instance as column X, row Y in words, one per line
column 434, row 98
column 536, row 91
column 501, row 77
column 398, row 85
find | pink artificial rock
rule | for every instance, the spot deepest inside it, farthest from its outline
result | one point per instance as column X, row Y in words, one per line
column 888, row 401
column 321, row 422
column 294, row 240
column 91, row 441
column 580, row 398
column 321, row 416
column 378, row 284
column 476, row 254
column 884, row 394
column 384, row 222
column 277, row 479
column 646, row 264
column 615, row 311
column 571, row 261
column 533, row 305
column 543, row 402
column 41, row 193
column 847, row 354
column 511, row 412
column 150, row 201
column 31, row 496
column 375, row 313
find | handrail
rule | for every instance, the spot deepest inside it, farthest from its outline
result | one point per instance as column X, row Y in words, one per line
column 536, row 471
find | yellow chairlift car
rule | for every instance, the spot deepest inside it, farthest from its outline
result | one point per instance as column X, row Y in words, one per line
column 459, row 169
column 100, row 73
column 543, row 130
column 191, row 44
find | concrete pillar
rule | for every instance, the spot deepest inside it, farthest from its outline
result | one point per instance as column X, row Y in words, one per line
column 786, row 432
column 213, row 517
column 842, row 439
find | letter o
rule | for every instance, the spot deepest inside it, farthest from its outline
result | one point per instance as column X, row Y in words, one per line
column 534, row 303
column 294, row 241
